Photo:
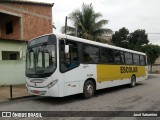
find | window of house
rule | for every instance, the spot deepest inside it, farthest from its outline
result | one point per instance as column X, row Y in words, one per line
column 10, row 55
column 9, row 27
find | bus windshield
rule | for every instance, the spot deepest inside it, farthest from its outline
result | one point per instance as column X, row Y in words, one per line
column 41, row 57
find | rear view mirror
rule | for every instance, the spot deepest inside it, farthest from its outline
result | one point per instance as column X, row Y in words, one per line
column 66, row 49
column 53, row 54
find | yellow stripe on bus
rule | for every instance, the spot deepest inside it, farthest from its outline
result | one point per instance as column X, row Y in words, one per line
column 118, row 72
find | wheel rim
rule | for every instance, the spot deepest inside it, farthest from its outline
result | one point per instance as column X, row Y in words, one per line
column 133, row 83
column 90, row 89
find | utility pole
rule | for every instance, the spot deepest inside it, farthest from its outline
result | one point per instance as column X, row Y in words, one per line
column 66, row 25
column 76, row 30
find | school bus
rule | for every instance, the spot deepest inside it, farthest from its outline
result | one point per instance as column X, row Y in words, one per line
column 59, row 65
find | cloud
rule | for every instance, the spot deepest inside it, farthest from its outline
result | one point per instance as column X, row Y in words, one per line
column 132, row 14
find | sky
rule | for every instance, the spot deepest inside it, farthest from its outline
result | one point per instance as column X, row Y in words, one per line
column 131, row 14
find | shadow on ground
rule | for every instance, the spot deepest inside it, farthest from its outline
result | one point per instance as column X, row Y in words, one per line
column 74, row 98
column 79, row 97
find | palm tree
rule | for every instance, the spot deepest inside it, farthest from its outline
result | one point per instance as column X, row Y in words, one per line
column 86, row 24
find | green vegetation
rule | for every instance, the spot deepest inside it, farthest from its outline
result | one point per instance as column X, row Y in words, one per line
column 138, row 40
column 120, row 38
column 134, row 41
column 152, row 51
column 86, row 24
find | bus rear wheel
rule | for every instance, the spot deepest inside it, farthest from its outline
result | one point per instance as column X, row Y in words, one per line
column 133, row 81
column 89, row 89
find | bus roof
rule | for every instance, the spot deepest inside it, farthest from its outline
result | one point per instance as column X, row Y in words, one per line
column 94, row 43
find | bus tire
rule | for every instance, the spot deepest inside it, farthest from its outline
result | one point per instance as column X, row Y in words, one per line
column 88, row 89
column 133, row 81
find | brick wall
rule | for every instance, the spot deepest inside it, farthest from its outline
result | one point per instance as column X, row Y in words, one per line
column 16, row 28
column 32, row 20
column 35, row 25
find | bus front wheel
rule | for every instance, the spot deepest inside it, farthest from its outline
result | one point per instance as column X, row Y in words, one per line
column 89, row 89
column 133, row 81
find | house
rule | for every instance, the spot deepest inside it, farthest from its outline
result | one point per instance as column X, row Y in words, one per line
column 155, row 66
column 20, row 21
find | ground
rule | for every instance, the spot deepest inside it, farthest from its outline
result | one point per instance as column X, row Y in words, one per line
column 17, row 91
column 143, row 97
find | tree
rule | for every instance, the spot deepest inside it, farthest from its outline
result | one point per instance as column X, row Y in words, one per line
column 137, row 39
column 86, row 23
column 120, row 38
column 134, row 41
column 153, row 52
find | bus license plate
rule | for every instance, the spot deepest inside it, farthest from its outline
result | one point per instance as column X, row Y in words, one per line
column 36, row 91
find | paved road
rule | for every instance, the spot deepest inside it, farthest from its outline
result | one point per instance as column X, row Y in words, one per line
column 144, row 97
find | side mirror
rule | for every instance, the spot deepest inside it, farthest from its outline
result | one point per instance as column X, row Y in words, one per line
column 66, row 49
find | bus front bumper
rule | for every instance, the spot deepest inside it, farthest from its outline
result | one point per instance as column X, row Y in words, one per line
column 43, row 91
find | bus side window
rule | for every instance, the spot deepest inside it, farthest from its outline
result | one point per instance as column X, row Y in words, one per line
column 87, row 58
column 128, row 58
column 70, row 60
column 142, row 60
column 122, row 57
column 90, row 54
column 117, row 57
column 107, row 56
column 136, row 59
column 104, row 57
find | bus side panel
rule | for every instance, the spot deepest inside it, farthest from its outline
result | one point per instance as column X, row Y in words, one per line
column 141, row 78
column 115, row 72
column 75, row 79
column 114, row 75
column 72, row 80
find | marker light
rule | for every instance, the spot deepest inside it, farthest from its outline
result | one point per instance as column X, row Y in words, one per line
column 52, row 83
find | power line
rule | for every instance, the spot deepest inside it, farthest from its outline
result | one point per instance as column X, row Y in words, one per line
column 153, row 33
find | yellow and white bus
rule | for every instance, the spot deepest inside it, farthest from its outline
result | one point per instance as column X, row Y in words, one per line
column 60, row 65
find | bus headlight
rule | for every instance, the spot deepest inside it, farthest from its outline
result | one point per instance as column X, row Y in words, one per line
column 52, row 83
